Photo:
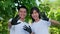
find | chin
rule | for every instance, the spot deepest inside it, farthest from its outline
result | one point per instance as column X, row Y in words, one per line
column 35, row 18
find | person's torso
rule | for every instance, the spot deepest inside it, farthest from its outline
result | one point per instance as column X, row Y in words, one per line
column 40, row 27
column 18, row 29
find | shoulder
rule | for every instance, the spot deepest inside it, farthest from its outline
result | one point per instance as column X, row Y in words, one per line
column 44, row 20
column 48, row 23
column 25, row 23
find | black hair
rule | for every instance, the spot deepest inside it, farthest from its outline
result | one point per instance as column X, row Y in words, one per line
column 22, row 6
column 37, row 10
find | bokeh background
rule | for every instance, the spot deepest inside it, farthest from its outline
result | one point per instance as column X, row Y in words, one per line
column 8, row 9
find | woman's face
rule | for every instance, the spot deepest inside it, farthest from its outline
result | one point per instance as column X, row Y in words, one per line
column 35, row 14
column 22, row 13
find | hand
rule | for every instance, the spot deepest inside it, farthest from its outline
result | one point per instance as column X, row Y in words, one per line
column 28, row 29
column 44, row 17
column 14, row 20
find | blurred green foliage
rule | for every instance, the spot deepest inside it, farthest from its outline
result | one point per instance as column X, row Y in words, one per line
column 8, row 10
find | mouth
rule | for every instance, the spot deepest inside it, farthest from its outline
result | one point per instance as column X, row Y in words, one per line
column 23, row 15
column 35, row 16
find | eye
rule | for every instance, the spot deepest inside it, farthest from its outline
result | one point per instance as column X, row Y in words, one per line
column 34, row 12
column 24, row 11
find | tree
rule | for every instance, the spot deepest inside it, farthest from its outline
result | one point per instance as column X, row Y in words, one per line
column 8, row 10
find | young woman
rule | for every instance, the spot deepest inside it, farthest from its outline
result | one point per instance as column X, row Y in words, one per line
column 18, row 23
column 40, row 26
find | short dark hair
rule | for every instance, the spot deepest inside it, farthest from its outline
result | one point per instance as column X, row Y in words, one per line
column 37, row 10
column 22, row 6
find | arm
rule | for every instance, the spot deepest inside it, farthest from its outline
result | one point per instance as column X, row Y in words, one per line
column 44, row 17
column 54, row 22
column 9, row 23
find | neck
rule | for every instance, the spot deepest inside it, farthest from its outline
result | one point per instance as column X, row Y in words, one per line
column 22, row 19
column 36, row 20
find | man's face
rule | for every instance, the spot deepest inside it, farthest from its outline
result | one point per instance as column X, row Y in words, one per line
column 22, row 13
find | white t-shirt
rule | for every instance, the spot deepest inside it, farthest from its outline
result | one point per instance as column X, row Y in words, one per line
column 40, row 27
column 18, row 29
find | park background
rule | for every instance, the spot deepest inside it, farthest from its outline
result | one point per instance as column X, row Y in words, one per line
column 8, row 9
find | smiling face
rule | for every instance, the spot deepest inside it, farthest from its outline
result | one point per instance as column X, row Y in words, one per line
column 22, row 12
column 35, row 15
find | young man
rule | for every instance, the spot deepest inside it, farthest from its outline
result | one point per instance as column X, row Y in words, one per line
column 18, row 23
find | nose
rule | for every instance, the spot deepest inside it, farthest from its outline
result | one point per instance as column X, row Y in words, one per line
column 34, row 14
